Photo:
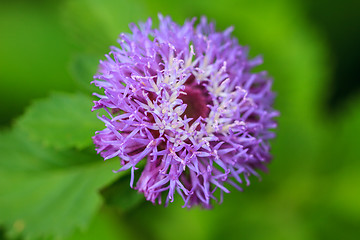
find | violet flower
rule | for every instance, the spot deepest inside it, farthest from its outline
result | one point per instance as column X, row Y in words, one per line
column 183, row 100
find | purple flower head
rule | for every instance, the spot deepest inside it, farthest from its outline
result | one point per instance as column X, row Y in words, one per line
column 184, row 106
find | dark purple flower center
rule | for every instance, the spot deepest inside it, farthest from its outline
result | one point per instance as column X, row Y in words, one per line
column 196, row 100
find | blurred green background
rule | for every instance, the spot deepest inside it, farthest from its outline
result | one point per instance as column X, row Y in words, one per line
column 311, row 48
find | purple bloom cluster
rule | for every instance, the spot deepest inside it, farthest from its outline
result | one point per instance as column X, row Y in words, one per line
column 184, row 106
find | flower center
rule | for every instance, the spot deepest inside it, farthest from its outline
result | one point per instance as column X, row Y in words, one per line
column 196, row 100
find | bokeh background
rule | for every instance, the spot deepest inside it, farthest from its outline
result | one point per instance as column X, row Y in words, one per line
column 311, row 48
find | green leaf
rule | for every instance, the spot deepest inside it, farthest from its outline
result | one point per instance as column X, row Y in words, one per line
column 45, row 193
column 61, row 121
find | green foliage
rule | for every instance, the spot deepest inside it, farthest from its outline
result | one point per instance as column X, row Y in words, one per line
column 94, row 25
column 51, row 184
column 82, row 69
column 343, row 165
column 35, row 54
column 45, row 192
column 105, row 225
column 121, row 196
column 61, row 121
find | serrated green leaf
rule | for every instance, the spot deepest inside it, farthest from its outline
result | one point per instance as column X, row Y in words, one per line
column 61, row 121
column 45, row 193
